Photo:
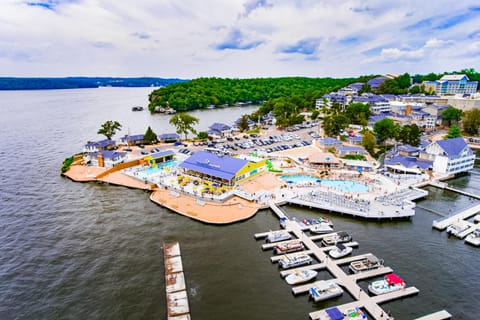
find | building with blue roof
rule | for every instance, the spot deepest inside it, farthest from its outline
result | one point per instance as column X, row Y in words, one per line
column 356, row 140
column 407, row 164
column 376, row 82
column 450, row 156
column 105, row 158
column 329, row 142
column 168, row 137
column 133, row 140
column 224, row 170
column 93, row 146
column 157, row 159
column 220, row 130
column 350, row 150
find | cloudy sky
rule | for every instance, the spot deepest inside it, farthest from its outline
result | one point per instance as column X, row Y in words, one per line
column 237, row 38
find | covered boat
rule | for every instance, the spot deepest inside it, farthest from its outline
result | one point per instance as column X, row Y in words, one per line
column 391, row 282
column 370, row 262
column 301, row 276
column 279, row 235
column 294, row 260
column 322, row 227
column 325, row 289
column 334, row 314
column 290, row 246
column 355, row 314
column 340, row 251
column 457, row 228
column 339, row 237
column 474, row 238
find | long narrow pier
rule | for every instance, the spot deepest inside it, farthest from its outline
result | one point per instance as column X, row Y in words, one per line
column 177, row 298
column 443, row 185
column 440, row 315
column 462, row 215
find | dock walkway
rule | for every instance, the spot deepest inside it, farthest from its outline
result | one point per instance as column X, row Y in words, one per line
column 462, row 215
column 440, row 315
column 177, row 299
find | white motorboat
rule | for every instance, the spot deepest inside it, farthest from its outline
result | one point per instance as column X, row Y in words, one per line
column 474, row 238
column 325, row 289
column 391, row 282
column 279, row 235
column 457, row 228
column 476, row 219
column 370, row 262
column 301, row 276
column 339, row 237
column 340, row 251
column 287, row 247
column 322, row 227
column 294, row 260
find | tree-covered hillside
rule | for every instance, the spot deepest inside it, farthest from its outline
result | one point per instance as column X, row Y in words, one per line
column 203, row 92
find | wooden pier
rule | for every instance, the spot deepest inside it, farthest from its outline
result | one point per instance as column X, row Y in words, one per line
column 440, row 315
column 445, row 186
column 177, row 299
column 348, row 282
column 462, row 215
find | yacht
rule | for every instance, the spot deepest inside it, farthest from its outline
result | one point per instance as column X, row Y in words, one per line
column 457, row 228
column 474, row 238
column 279, row 235
column 325, row 289
column 339, row 237
column 322, row 227
column 287, row 247
column 294, row 260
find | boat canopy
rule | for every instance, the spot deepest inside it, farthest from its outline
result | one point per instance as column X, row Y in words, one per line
column 342, row 234
column 392, row 278
column 322, row 285
column 372, row 258
column 334, row 314
column 340, row 246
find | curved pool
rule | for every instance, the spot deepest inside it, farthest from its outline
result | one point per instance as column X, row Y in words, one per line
column 342, row 185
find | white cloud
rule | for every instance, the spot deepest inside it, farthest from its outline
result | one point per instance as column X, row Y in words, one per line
column 170, row 38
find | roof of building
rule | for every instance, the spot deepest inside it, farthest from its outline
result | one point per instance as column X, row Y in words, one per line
column 223, row 167
column 323, row 157
column 350, row 148
column 407, row 148
column 408, row 162
column 107, row 154
column 135, row 137
column 217, row 126
column 168, row 136
column 454, row 77
column 329, row 141
column 355, row 139
column 161, row 154
column 376, row 82
column 101, row 143
column 452, row 147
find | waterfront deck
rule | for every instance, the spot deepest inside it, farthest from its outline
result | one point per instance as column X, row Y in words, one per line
column 175, row 287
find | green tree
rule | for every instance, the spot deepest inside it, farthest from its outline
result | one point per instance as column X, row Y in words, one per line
column 150, row 137
column 109, row 128
column 451, row 114
column 368, row 142
column 453, row 132
column 202, row 135
column 315, row 114
column 365, row 89
column 356, row 112
column 385, row 129
column 471, row 121
column 243, row 124
column 334, row 124
column 183, row 123
column 410, row 134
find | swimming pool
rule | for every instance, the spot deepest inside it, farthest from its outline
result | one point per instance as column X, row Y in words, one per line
column 146, row 173
column 342, row 185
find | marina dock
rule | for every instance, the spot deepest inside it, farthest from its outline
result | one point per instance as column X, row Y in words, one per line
column 462, row 215
column 440, row 315
column 347, row 281
column 176, row 291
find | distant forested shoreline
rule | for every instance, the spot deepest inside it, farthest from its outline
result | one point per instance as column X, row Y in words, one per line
column 14, row 83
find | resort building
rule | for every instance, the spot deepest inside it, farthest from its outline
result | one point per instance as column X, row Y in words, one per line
column 222, row 169
column 323, row 160
column 329, row 142
column 450, row 156
column 168, row 137
column 220, row 130
column 377, row 81
column 159, row 158
column 355, row 140
column 93, row 146
column 357, row 165
column 378, row 104
column 105, row 158
column 133, row 140
column 401, row 163
column 452, row 84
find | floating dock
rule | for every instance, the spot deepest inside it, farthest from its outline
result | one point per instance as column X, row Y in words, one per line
column 177, row 298
column 440, row 315
column 347, row 281
column 462, row 215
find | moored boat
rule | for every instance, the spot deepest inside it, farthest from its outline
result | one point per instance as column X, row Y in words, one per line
column 355, row 314
column 279, row 235
column 322, row 227
column 290, row 246
column 294, row 260
column 457, row 228
column 325, row 289
column 474, row 238
column 391, row 282
column 301, row 276
column 370, row 262
column 339, row 237
column 340, row 251
column 137, row 108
